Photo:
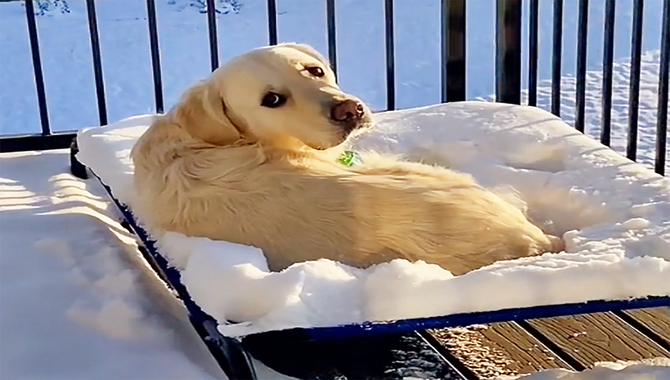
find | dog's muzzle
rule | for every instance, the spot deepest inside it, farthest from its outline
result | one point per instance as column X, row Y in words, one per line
column 349, row 113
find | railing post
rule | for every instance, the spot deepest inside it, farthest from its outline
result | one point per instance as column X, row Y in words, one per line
column 37, row 67
column 508, row 51
column 532, row 52
column 272, row 22
column 390, row 55
column 97, row 61
column 332, row 35
column 662, row 113
column 634, row 91
column 453, row 50
column 582, row 36
column 213, row 39
column 608, row 57
column 155, row 55
column 556, row 58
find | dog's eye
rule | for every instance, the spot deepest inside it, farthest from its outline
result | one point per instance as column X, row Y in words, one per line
column 273, row 100
column 315, row 71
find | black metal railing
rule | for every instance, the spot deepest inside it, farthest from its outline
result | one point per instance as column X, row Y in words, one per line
column 556, row 60
column 581, row 64
column 37, row 68
column 634, row 93
column 453, row 50
column 508, row 51
column 332, row 38
column 155, row 55
column 97, row 61
column 453, row 59
column 608, row 60
column 532, row 52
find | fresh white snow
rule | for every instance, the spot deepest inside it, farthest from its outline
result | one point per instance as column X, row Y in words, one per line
column 76, row 299
column 74, row 303
column 612, row 214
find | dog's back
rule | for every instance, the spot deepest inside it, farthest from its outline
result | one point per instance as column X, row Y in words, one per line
column 299, row 207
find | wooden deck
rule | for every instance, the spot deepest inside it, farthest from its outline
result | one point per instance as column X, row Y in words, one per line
column 475, row 352
column 575, row 342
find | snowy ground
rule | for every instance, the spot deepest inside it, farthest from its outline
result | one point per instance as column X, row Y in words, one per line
column 74, row 300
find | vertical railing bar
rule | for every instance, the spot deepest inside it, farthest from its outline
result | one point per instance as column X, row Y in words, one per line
column 97, row 61
column 556, row 58
column 634, row 84
column 608, row 56
column 37, row 67
column 444, row 47
column 213, row 42
column 453, row 50
column 272, row 22
column 662, row 113
column 332, row 34
column 582, row 36
column 390, row 55
column 155, row 55
column 508, row 51
column 532, row 53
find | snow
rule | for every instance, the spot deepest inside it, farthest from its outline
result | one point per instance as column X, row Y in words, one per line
column 75, row 295
column 75, row 301
column 651, row 369
column 612, row 214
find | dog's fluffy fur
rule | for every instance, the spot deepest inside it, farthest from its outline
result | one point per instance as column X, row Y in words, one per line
column 221, row 165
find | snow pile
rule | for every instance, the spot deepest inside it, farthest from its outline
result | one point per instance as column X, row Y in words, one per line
column 614, row 216
column 76, row 299
column 75, row 303
column 650, row 369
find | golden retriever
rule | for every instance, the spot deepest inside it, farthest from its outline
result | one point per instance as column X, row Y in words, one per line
column 250, row 156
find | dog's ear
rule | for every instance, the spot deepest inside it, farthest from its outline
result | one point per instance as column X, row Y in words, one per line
column 201, row 112
column 307, row 49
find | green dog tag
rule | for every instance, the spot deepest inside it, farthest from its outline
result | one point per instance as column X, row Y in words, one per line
column 349, row 158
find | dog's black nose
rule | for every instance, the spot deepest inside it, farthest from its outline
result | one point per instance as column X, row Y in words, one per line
column 347, row 110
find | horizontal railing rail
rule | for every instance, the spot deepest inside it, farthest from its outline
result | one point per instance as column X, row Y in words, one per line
column 453, row 63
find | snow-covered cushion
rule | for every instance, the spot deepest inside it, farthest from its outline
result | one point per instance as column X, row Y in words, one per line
column 613, row 214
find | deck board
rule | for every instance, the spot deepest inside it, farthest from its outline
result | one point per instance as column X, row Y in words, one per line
column 592, row 338
column 497, row 349
column 655, row 319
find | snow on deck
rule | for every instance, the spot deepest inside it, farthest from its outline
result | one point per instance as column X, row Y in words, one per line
column 76, row 299
column 611, row 212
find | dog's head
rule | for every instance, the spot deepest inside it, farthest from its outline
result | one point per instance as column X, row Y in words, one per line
column 280, row 95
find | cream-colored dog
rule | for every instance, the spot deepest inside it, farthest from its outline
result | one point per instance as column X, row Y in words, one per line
column 250, row 156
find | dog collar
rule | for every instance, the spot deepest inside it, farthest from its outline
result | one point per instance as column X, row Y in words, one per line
column 350, row 158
